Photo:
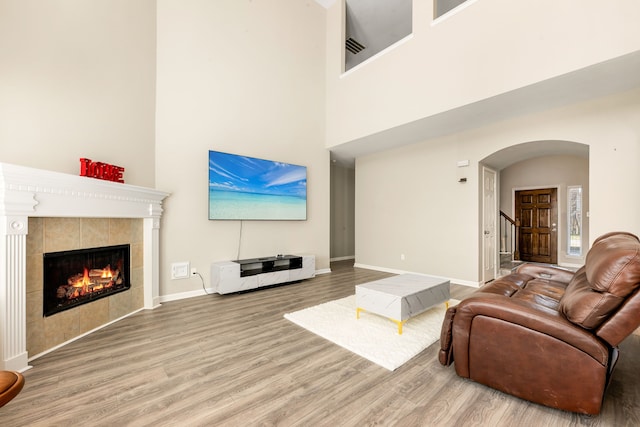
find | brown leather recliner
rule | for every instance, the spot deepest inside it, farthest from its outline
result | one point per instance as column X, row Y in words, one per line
column 546, row 334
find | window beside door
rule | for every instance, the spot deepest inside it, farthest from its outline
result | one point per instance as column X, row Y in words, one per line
column 574, row 210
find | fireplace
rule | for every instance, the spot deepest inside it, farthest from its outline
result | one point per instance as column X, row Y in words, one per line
column 76, row 277
column 28, row 193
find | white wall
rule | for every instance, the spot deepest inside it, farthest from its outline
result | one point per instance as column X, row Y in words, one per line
column 244, row 77
column 409, row 201
column 489, row 48
column 77, row 79
column 546, row 172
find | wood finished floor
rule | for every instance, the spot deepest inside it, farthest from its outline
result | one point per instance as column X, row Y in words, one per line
column 235, row 361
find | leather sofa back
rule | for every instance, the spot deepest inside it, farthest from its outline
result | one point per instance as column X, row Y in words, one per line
column 611, row 273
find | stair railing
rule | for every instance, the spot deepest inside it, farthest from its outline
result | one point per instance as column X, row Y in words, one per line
column 509, row 234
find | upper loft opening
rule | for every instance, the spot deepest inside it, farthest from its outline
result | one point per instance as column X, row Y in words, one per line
column 373, row 25
column 440, row 7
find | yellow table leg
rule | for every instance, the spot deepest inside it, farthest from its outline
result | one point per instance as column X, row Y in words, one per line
column 399, row 323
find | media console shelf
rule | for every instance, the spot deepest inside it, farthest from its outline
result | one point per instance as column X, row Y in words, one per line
column 250, row 267
column 246, row 274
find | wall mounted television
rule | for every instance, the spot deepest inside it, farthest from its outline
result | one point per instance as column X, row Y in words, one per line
column 248, row 188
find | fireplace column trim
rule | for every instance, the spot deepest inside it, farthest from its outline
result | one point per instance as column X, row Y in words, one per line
column 13, row 293
column 151, row 269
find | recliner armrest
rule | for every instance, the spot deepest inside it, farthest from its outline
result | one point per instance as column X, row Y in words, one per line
column 546, row 272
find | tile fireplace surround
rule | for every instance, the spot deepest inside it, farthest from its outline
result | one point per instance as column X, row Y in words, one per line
column 34, row 193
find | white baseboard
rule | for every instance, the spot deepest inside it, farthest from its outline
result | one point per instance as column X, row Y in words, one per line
column 342, row 258
column 394, row 271
column 185, row 295
column 376, row 268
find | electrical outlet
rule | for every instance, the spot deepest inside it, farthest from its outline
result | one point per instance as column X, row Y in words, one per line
column 194, row 271
column 180, row 270
column 401, row 257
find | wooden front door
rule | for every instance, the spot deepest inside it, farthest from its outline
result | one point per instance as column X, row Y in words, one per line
column 537, row 211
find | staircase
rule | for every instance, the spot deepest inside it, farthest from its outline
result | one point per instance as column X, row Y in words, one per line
column 509, row 252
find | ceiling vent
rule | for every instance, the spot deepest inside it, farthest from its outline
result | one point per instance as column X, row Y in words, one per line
column 353, row 46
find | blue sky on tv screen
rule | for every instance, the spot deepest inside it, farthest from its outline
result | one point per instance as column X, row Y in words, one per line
column 231, row 172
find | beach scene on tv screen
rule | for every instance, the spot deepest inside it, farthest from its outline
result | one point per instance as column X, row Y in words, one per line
column 246, row 188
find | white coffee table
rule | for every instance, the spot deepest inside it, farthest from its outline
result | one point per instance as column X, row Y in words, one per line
column 401, row 297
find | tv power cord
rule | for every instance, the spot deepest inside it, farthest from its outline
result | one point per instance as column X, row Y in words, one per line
column 201, row 280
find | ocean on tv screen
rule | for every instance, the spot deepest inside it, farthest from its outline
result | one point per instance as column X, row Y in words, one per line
column 242, row 187
column 234, row 205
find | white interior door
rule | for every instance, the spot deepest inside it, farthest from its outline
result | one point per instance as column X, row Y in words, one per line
column 489, row 221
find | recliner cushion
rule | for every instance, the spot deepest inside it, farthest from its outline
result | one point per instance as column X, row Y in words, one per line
column 613, row 264
column 611, row 273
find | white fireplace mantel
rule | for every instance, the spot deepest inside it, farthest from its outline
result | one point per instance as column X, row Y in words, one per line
column 27, row 192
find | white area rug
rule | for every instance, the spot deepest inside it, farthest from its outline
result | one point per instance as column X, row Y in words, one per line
column 373, row 337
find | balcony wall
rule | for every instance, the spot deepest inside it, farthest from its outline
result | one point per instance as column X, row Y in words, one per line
column 483, row 51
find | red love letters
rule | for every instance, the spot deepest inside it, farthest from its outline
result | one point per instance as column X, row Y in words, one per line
column 101, row 170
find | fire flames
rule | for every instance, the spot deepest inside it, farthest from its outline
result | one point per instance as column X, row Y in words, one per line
column 92, row 280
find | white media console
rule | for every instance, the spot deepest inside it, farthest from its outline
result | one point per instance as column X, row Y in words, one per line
column 246, row 274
